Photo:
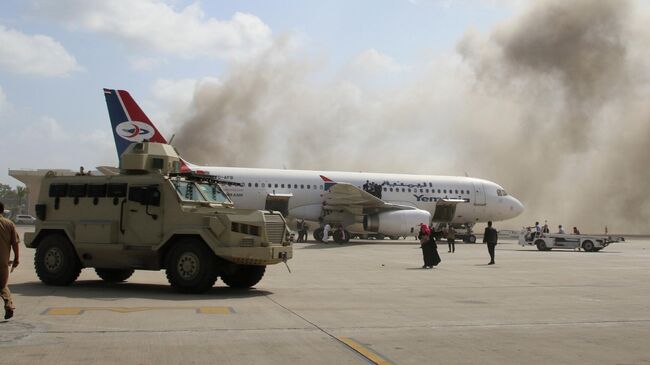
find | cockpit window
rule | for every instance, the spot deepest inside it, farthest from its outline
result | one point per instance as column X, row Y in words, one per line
column 501, row 192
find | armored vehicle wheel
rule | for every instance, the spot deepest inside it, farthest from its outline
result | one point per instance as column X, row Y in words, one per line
column 244, row 276
column 318, row 234
column 56, row 261
column 191, row 266
column 588, row 246
column 541, row 245
column 114, row 275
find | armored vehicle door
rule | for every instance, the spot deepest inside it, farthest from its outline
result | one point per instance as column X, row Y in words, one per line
column 141, row 223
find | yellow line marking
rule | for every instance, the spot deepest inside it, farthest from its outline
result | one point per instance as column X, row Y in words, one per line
column 75, row 311
column 365, row 352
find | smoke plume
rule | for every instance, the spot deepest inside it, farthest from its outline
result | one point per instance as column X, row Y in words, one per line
column 549, row 104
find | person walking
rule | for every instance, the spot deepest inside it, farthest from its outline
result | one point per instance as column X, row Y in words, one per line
column 9, row 240
column 429, row 248
column 451, row 239
column 490, row 236
column 434, row 256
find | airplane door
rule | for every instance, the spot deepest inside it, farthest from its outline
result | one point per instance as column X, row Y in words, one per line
column 278, row 202
column 444, row 212
column 479, row 193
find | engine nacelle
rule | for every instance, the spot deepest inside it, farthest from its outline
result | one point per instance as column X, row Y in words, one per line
column 396, row 222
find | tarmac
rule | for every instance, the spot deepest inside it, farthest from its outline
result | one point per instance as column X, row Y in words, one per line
column 360, row 303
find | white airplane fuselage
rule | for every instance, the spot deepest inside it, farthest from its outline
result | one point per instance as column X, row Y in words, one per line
column 484, row 200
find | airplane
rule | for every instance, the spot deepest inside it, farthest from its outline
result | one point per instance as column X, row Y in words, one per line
column 379, row 204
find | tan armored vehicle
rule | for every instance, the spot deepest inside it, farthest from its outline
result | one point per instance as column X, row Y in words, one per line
column 152, row 217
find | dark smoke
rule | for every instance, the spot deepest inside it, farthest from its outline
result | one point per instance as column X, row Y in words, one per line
column 549, row 104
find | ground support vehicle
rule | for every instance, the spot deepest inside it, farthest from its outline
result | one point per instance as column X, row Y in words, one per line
column 152, row 217
column 548, row 241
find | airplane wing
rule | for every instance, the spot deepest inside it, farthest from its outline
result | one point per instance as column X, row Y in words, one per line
column 347, row 197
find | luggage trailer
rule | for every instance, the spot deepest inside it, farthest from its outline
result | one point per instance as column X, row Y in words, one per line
column 548, row 241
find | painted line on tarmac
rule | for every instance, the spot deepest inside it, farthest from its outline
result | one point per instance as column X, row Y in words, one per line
column 364, row 351
column 75, row 311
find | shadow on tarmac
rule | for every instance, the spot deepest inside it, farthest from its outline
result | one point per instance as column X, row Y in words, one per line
column 561, row 251
column 97, row 289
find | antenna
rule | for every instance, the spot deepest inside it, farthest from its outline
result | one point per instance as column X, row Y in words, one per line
column 171, row 139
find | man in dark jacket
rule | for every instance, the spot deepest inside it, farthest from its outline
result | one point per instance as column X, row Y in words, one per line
column 490, row 237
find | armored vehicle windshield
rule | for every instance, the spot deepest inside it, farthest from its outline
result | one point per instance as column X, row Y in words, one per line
column 200, row 191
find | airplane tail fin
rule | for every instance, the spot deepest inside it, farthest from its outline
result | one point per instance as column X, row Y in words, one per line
column 129, row 122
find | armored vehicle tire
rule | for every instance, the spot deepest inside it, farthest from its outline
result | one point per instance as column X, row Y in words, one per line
column 114, row 275
column 588, row 246
column 244, row 276
column 541, row 245
column 56, row 261
column 191, row 266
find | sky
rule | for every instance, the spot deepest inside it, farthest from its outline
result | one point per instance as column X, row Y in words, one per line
column 58, row 55
column 534, row 95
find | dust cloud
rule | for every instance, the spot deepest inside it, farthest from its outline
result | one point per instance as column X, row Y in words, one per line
column 551, row 104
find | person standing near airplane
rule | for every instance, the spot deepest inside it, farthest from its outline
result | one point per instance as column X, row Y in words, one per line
column 451, row 239
column 426, row 244
column 326, row 232
column 490, row 236
column 9, row 240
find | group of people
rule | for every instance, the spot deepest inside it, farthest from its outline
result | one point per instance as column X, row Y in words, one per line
column 372, row 188
column 9, row 240
column 427, row 236
column 301, row 227
column 537, row 230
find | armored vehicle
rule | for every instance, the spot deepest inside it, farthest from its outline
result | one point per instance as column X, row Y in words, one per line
column 150, row 216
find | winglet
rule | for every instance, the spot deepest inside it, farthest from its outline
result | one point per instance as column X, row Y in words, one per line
column 328, row 182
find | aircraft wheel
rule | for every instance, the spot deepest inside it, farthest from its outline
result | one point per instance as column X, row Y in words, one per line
column 394, row 238
column 588, row 246
column 56, row 261
column 114, row 275
column 471, row 238
column 341, row 236
column 318, row 234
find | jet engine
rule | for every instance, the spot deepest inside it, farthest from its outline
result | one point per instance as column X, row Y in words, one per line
column 396, row 222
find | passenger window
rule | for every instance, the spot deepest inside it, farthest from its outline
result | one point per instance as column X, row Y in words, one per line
column 438, row 191
column 255, row 184
column 308, row 186
column 391, row 189
column 302, row 186
column 427, row 190
column 445, row 191
column 263, row 185
column 276, row 185
column 456, row 191
column 295, row 186
column 282, row 186
column 403, row 190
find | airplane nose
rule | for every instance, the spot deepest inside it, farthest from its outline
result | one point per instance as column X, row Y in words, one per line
column 516, row 207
